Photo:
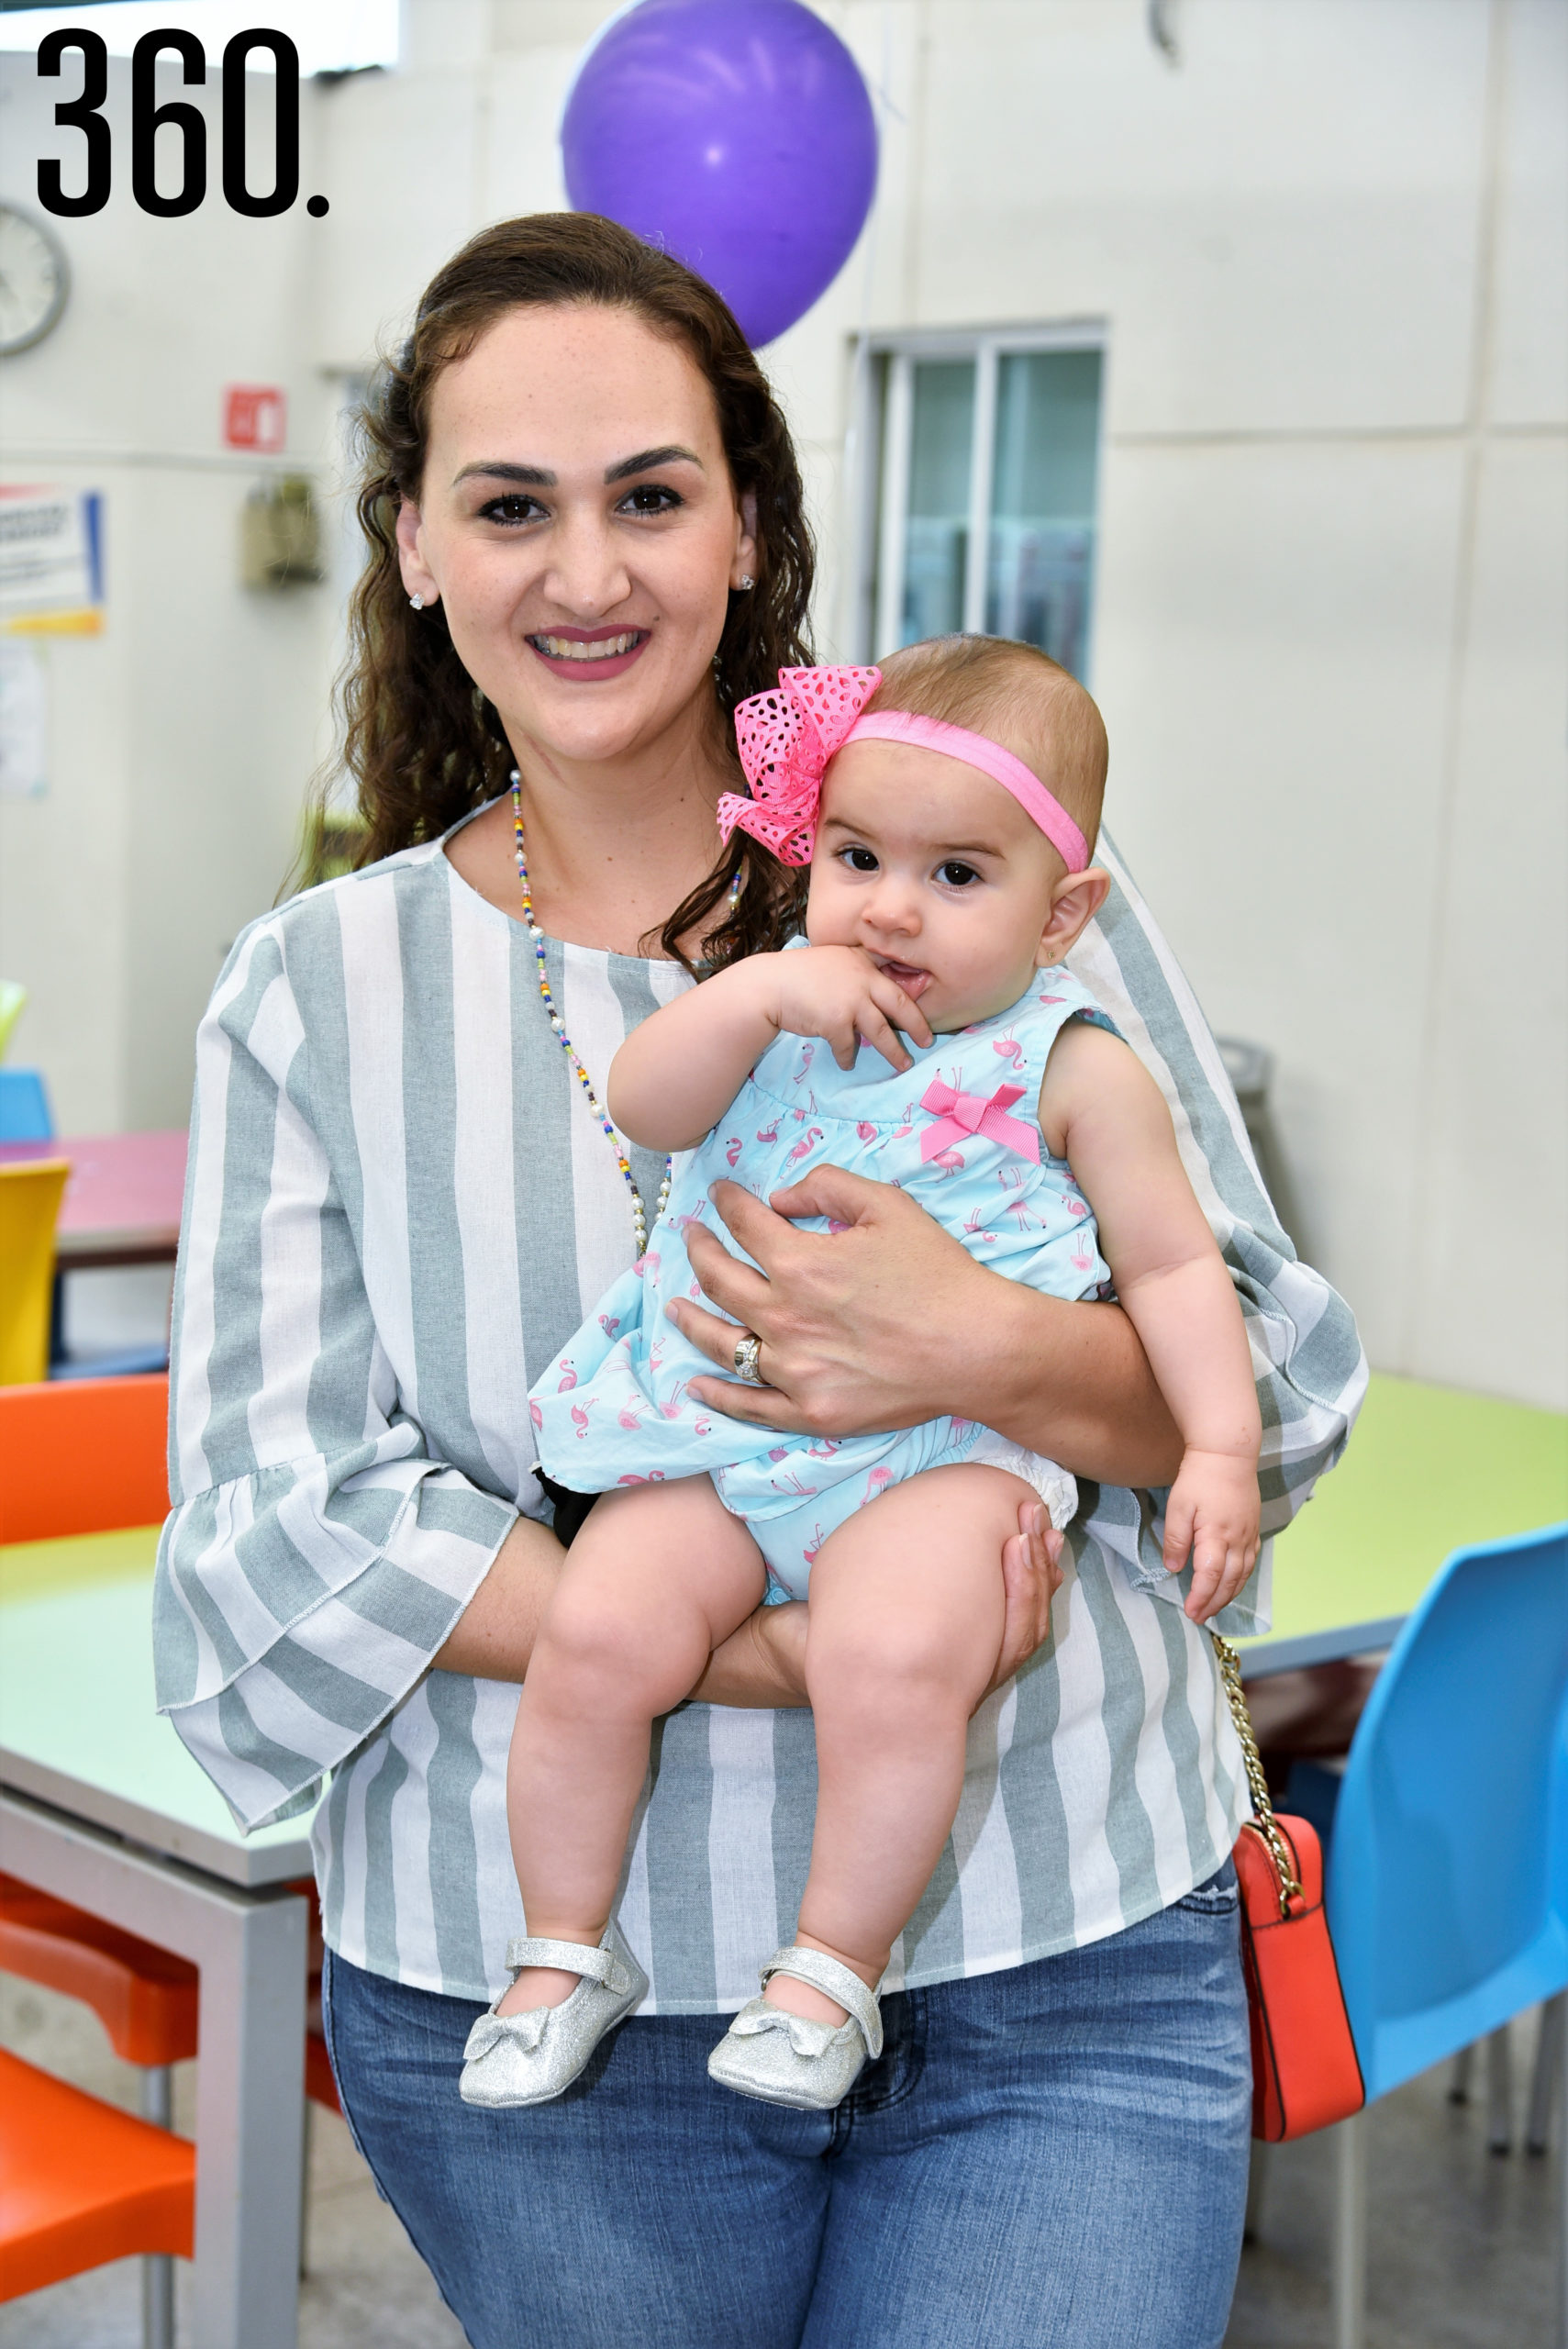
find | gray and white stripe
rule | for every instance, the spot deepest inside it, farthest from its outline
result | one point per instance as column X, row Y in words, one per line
column 399, row 1207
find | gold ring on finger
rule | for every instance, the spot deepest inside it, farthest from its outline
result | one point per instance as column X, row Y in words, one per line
column 748, row 1359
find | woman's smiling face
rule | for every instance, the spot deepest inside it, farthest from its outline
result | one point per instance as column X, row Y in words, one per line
column 578, row 522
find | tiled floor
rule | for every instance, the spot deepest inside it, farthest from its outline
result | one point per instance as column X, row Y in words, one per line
column 1462, row 2243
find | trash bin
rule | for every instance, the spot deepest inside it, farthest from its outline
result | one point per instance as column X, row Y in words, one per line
column 1251, row 1069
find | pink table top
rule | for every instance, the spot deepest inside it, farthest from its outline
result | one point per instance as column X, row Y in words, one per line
column 122, row 1199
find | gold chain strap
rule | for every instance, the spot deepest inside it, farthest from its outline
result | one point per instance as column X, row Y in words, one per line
column 1263, row 1808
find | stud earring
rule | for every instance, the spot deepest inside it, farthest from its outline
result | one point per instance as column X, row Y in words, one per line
column 417, row 602
column 745, row 581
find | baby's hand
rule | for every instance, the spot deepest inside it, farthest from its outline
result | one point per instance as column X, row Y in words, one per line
column 838, row 993
column 1213, row 1513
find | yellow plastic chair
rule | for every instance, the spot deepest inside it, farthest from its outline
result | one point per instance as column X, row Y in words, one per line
column 30, row 1192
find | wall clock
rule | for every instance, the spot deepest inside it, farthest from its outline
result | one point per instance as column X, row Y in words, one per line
column 35, row 279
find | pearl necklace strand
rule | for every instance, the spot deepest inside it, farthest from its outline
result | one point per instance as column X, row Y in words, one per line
column 638, row 1215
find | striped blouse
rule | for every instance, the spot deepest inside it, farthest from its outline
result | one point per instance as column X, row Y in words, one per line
column 398, row 1208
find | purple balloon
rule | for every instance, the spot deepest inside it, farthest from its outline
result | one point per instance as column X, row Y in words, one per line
column 736, row 134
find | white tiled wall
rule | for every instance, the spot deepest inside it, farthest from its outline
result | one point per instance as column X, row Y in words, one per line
column 1330, row 251
column 180, row 738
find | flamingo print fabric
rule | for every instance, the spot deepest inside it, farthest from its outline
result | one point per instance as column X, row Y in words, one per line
column 614, row 1408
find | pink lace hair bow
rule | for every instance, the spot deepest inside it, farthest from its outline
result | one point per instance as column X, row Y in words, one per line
column 786, row 739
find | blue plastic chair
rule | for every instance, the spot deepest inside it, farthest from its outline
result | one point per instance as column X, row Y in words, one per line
column 1448, row 1875
column 23, row 1106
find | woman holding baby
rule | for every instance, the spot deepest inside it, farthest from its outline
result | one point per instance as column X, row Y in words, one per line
column 408, row 1193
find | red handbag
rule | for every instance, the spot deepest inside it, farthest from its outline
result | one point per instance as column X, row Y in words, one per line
column 1305, row 2074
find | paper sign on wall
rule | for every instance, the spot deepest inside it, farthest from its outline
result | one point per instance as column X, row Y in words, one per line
column 51, row 562
column 24, row 722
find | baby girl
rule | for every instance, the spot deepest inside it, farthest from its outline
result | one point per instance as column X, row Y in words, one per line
column 923, row 1031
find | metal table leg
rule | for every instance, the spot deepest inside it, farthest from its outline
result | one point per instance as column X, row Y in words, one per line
column 1544, row 2080
column 251, row 1949
column 1500, row 2091
column 157, row 2266
column 1350, row 2232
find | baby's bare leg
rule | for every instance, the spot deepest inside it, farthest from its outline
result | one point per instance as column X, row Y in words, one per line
column 656, row 1579
column 905, row 1627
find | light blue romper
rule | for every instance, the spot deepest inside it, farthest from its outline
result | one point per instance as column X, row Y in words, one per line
column 613, row 1409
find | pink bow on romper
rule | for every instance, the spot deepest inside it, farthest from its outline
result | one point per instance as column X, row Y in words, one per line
column 960, row 1116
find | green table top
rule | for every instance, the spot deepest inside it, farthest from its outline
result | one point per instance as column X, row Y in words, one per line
column 1426, row 1471
column 77, row 1724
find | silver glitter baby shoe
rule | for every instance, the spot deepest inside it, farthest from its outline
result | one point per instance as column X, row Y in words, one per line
column 528, row 2058
column 784, row 2059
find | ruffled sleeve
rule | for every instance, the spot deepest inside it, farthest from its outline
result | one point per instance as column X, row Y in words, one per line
column 317, row 1555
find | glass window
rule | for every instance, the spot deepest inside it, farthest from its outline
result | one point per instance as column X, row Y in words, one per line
column 1040, row 571
column 936, row 553
column 985, row 506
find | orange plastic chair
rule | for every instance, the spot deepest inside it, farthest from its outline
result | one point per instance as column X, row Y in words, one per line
column 88, row 1457
column 82, row 2183
column 31, row 1192
column 83, row 1455
column 144, row 1996
column 147, row 1999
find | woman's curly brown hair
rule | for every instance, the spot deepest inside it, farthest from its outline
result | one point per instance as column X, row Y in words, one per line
column 422, row 743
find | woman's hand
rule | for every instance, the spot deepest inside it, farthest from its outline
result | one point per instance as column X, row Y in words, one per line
column 763, row 1663
column 1031, row 1577
column 850, row 1321
column 886, row 1321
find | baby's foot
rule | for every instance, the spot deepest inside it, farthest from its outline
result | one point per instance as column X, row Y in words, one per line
column 803, row 1998
column 788, row 1992
column 537, row 1986
column 804, row 2048
column 517, row 2053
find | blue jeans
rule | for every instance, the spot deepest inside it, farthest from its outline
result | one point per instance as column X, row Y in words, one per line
column 1054, row 2154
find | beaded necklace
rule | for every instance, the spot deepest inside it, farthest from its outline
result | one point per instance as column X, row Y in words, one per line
column 638, row 1215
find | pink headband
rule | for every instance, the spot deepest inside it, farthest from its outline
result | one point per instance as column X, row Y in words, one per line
column 788, row 738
